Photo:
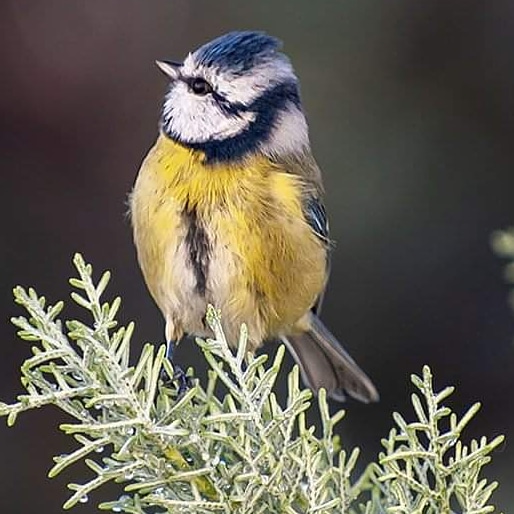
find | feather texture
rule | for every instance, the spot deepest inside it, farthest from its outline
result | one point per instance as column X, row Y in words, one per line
column 262, row 265
column 227, row 208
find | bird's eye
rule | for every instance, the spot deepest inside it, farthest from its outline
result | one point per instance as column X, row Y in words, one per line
column 200, row 86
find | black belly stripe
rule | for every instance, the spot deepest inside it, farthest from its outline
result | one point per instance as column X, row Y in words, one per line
column 199, row 249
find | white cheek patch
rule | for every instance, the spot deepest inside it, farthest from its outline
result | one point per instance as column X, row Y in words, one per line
column 290, row 134
column 197, row 119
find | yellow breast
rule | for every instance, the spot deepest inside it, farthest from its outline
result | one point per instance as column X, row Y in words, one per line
column 262, row 264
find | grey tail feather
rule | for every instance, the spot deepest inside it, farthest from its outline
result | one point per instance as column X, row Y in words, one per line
column 325, row 363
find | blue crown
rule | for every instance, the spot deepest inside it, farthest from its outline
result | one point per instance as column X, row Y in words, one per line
column 238, row 51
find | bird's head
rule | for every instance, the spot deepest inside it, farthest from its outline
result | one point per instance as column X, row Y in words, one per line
column 234, row 96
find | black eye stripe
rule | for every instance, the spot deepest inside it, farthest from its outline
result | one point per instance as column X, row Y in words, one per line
column 231, row 109
column 202, row 87
column 199, row 86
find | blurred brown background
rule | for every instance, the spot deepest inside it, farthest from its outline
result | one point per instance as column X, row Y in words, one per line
column 411, row 113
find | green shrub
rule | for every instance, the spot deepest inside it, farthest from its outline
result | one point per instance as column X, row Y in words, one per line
column 239, row 451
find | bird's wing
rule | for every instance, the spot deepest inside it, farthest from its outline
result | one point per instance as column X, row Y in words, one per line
column 304, row 166
column 316, row 216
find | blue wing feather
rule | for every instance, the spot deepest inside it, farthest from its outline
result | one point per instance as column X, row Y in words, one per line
column 316, row 216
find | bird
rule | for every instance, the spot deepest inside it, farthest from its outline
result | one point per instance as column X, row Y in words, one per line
column 227, row 210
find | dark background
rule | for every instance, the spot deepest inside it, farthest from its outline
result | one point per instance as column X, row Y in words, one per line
column 410, row 107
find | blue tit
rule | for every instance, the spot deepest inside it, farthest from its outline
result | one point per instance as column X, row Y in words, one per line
column 227, row 209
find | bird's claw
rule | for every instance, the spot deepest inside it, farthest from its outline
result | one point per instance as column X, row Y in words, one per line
column 184, row 382
column 179, row 378
column 179, row 375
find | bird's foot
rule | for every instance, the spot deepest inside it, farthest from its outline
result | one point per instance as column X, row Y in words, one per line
column 182, row 380
column 179, row 376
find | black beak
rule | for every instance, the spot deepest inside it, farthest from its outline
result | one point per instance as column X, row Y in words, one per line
column 170, row 68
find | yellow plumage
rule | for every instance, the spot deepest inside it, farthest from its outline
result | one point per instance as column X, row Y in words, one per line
column 227, row 209
column 264, row 265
